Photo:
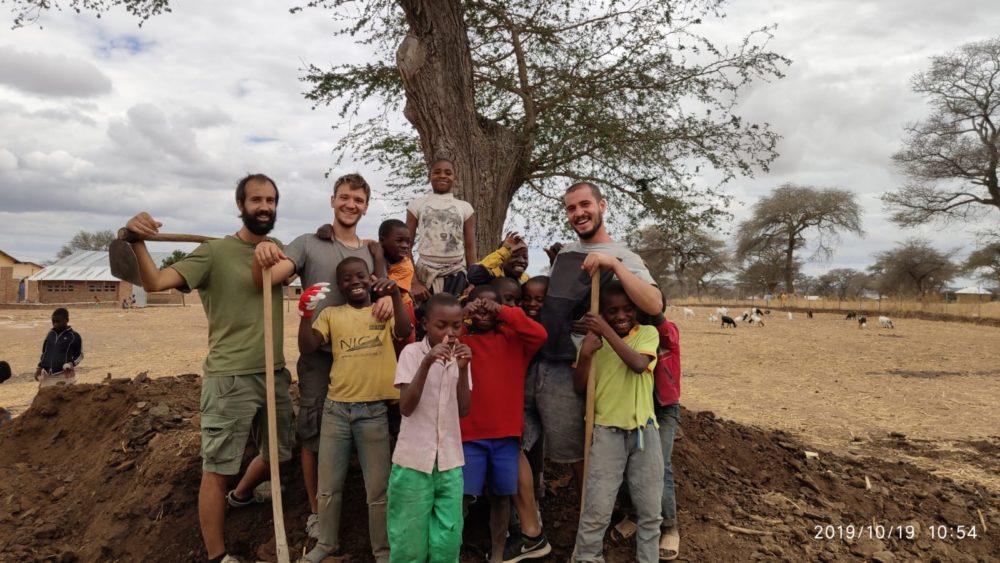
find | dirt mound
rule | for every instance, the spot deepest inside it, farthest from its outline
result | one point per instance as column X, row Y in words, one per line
column 110, row 473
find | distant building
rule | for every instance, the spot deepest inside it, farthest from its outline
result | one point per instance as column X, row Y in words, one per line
column 973, row 295
column 13, row 276
column 85, row 277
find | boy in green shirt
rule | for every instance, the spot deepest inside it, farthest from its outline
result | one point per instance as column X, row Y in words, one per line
column 625, row 443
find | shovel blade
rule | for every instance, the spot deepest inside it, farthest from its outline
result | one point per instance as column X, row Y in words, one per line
column 124, row 264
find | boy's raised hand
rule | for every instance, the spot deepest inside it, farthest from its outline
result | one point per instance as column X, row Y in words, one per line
column 311, row 298
column 375, row 247
column 384, row 286
column 489, row 307
column 597, row 325
column 441, row 352
column 553, row 251
column 462, row 355
column 591, row 343
column 512, row 241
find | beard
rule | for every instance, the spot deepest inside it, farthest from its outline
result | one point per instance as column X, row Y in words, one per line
column 257, row 226
column 598, row 222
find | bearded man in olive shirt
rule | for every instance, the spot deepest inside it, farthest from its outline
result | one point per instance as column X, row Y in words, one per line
column 233, row 398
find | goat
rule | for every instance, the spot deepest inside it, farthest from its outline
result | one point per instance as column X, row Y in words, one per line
column 727, row 321
column 745, row 317
column 758, row 311
column 885, row 322
column 756, row 320
column 721, row 311
column 851, row 315
column 688, row 312
column 862, row 321
column 809, row 314
column 713, row 319
column 790, row 315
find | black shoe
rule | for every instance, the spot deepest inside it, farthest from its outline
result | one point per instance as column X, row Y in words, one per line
column 518, row 548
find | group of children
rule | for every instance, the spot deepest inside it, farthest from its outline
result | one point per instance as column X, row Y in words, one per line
column 461, row 393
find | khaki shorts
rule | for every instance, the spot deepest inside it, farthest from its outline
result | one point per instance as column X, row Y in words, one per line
column 234, row 408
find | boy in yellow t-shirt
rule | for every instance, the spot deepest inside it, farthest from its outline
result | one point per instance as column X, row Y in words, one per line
column 361, row 381
column 625, row 443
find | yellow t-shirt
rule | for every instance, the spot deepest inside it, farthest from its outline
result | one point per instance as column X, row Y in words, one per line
column 364, row 361
column 623, row 398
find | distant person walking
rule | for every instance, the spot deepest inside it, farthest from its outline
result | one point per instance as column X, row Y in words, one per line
column 62, row 351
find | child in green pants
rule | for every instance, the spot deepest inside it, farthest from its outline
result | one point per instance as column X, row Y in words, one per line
column 426, row 485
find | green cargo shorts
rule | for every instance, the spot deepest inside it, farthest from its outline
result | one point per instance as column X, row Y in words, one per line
column 234, row 408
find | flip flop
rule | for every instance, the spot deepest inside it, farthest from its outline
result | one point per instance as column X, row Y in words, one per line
column 670, row 543
column 625, row 529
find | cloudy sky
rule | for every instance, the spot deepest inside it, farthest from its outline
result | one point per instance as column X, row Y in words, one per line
column 100, row 118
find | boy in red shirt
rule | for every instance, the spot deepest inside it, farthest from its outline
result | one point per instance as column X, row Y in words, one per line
column 503, row 340
column 666, row 404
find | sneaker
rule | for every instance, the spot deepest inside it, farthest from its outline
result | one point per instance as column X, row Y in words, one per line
column 518, row 548
column 237, row 503
column 312, row 527
column 230, row 559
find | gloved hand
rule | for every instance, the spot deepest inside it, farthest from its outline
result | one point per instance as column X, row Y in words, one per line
column 68, row 366
column 311, row 298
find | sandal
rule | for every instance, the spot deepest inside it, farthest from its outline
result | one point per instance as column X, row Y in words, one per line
column 670, row 543
column 625, row 529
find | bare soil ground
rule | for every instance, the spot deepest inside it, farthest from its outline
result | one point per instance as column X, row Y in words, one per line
column 109, row 472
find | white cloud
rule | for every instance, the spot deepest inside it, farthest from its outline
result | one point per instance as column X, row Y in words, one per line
column 51, row 74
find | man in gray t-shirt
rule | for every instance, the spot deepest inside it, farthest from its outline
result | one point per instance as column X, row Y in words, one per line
column 315, row 260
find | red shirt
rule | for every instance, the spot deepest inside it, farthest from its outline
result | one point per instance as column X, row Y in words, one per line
column 667, row 373
column 500, row 361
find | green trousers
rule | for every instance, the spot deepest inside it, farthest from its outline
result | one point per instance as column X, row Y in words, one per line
column 425, row 515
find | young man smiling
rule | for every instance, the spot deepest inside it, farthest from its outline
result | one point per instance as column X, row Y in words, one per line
column 560, row 407
column 315, row 259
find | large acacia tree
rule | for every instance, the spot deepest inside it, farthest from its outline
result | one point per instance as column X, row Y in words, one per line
column 780, row 221
column 914, row 267
column 527, row 96
column 683, row 261
column 951, row 158
column 984, row 263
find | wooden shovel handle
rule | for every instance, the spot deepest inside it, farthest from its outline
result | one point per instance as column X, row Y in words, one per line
column 129, row 236
column 281, row 540
column 588, row 434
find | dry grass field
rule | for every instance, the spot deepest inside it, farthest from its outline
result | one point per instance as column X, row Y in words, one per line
column 838, row 387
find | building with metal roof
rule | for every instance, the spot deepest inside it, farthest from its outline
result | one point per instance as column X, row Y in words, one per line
column 84, row 277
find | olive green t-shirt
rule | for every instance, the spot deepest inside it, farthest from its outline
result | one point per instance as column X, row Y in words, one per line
column 221, row 271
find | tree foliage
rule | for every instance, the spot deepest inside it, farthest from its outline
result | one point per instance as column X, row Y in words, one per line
column 844, row 283
column 87, row 240
column 984, row 263
column 780, row 221
column 913, row 268
column 765, row 271
column 951, row 158
column 28, row 12
column 175, row 257
column 624, row 94
column 683, row 262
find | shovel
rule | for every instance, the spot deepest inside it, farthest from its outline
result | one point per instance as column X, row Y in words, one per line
column 280, row 539
column 124, row 264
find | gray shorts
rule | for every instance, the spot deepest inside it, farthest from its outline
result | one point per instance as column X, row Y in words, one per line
column 562, row 411
column 233, row 410
column 314, row 379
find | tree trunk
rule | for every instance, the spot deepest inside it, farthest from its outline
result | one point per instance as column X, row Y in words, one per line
column 789, row 260
column 435, row 63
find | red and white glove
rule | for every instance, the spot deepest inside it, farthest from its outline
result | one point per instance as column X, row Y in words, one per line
column 311, row 298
